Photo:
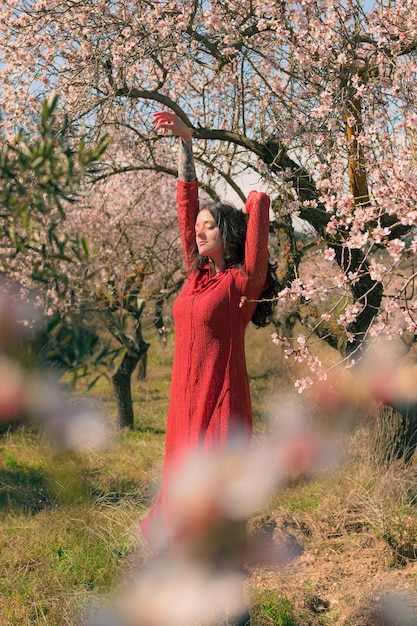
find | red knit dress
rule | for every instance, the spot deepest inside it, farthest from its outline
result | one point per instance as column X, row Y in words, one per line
column 209, row 397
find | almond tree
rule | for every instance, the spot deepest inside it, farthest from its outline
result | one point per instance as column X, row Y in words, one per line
column 83, row 253
column 134, row 264
column 313, row 99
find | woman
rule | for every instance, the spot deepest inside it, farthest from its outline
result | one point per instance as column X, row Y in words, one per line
column 228, row 270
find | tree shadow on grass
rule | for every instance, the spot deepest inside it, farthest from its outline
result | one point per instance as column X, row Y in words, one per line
column 133, row 493
column 24, row 490
column 151, row 429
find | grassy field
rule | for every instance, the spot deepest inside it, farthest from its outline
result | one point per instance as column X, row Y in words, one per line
column 68, row 521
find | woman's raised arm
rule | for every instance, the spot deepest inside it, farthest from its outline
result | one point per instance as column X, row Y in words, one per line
column 167, row 120
column 256, row 247
column 187, row 185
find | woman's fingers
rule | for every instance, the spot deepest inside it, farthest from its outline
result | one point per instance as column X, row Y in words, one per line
column 160, row 124
column 162, row 120
column 167, row 120
column 161, row 116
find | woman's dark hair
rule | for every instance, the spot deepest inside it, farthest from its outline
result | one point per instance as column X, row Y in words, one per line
column 233, row 226
column 268, row 298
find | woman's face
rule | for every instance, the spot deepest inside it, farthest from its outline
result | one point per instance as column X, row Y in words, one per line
column 208, row 236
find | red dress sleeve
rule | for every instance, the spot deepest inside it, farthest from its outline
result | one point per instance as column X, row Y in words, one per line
column 256, row 249
column 187, row 202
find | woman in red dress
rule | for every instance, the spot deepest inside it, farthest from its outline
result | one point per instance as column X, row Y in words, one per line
column 226, row 253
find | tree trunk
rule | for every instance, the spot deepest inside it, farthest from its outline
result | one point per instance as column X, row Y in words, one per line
column 136, row 350
column 123, row 389
column 406, row 436
column 142, row 367
column 395, row 434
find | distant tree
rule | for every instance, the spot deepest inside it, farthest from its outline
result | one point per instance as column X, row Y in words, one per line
column 81, row 251
column 134, row 265
column 41, row 175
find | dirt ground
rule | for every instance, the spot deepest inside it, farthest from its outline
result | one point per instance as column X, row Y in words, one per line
column 349, row 580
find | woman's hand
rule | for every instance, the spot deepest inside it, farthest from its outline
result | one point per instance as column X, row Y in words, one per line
column 167, row 120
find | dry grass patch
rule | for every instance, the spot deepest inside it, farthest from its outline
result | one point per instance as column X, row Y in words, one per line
column 57, row 559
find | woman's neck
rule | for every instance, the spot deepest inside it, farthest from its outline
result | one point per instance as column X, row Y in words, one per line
column 216, row 268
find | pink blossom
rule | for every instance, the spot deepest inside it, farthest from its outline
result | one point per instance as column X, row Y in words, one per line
column 358, row 239
column 395, row 248
column 314, row 363
column 351, row 313
column 378, row 233
column 301, row 340
column 410, row 219
column 411, row 324
column 329, row 254
column 360, row 91
column 279, row 341
column 302, row 384
column 377, row 271
column 331, row 226
column 412, row 121
column 301, row 354
column 340, row 280
column 230, row 51
column 353, row 277
column 329, row 201
column 309, row 290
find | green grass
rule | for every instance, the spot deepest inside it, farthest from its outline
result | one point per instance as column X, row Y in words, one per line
column 305, row 498
column 69, row 521
column 272, row 608
column 59, row 557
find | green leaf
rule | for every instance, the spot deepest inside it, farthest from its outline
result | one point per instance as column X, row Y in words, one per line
column 49, row 106
column 25, row 220
column 38, row 161
column 85, row 247
column 61, row 257
column 25, row 150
